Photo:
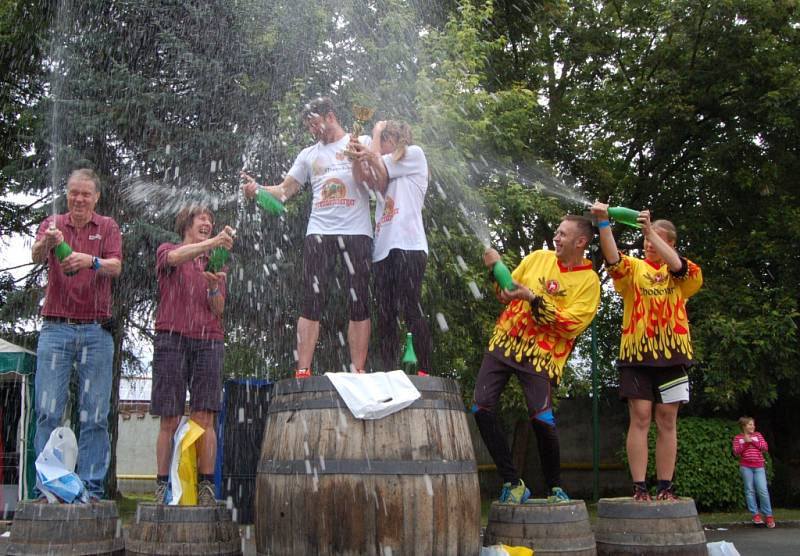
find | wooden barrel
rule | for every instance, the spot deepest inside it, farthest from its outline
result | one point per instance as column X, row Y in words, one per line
column 159, row 529
column 330, row 484
column 549, row 529
column 626, row 526
column 66, row 529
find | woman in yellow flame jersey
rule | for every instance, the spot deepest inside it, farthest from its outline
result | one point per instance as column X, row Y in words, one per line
column 656, row 348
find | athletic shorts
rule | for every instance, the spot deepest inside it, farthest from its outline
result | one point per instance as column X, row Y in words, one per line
column 319, row 260
column 181, row 363
column 656, row 384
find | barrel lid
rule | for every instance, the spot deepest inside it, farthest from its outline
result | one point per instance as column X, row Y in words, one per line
column 40, row 511
column 161, row 513
column 323, row 384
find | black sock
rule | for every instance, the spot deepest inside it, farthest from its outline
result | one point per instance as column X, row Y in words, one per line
column 201, row 477
column 664, row 485
column 641, row 485
column 162, row 478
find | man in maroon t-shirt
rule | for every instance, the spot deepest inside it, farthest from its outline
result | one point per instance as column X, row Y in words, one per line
column 76, row 315
column 189, row 348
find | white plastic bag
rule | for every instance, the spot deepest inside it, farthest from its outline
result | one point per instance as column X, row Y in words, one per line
column 494, row 550
column 374, row 395
column 722, row 548
column 55, row 468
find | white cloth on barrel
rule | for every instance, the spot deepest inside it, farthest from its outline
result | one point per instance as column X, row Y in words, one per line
column 374, row 395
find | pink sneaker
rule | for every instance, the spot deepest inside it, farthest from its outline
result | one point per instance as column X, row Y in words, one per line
column 757, row 520
column 302, row 373
column 770, row 522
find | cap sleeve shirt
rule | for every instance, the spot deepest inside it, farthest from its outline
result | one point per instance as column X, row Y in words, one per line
column 540, row 336
column 339, row 205
column 183, row 304
column 655, row 324
column 87, row 294
column 398, row 213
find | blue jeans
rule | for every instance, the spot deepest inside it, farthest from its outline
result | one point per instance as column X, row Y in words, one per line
column 755, row 482
column 90, row 349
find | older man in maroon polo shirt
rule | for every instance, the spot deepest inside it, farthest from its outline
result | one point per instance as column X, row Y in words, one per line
column 76, row 315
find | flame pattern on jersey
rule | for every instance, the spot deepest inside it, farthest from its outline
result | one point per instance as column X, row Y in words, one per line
column 655, row 324
column 541, row 335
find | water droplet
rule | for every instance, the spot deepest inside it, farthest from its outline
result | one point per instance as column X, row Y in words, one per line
column 442, row 322
column 428, row 484
column 476, row 293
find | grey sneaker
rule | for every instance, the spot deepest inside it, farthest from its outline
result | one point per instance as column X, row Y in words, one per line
column 206, row 495
column 161, row 493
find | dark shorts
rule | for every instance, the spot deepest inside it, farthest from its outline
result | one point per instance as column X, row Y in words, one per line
column 180, row 363
column 493, row 377
column 656, row 384
column 319, row 259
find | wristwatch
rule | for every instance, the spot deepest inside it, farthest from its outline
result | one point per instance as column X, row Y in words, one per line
column 95, row 263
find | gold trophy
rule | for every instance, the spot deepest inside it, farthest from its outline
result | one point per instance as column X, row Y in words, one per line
column 362, row 115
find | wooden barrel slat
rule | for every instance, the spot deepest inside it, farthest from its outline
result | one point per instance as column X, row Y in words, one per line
column 549, row 529
column 161, row 530
column 68, row 529
column 628, row 527
column 330, row 484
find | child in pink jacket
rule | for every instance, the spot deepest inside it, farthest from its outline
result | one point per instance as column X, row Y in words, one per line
column 749, row 447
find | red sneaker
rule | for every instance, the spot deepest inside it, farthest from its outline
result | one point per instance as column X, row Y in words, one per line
column 757, row 520
column 421, row 373
column 770, row 522
column 666, row 494
column 302, row 373
column 641, row 494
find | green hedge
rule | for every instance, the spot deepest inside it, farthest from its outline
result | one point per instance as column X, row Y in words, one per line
column 706, row 469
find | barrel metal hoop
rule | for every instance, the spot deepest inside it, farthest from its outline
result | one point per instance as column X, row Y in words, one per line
column 280, row 405
column 367, row 467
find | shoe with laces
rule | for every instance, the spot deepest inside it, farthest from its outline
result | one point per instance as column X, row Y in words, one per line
column 641, row 494
column 757, row 519
column 161, row 493
column 514, row 494
column 557, row 496
column 421, row 373
column 667, row 494
column 302, row 373
column 770, row 522
column 206, row 495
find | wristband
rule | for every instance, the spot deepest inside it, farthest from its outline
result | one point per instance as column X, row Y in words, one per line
column 213, row 293
column 95, row 263
column 603, row 224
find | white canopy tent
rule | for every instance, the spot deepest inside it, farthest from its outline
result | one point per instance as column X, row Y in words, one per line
column 17, row 368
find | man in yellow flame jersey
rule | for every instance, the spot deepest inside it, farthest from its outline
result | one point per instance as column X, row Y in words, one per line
column 556, row 297
column 656, row 348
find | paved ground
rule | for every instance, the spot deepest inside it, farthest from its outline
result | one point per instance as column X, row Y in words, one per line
column 749, row 540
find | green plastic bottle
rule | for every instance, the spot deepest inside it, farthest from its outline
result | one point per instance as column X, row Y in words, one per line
column 410, row 362
column 217, row 259
column 270, row 204
column 62, row 251
column 625, row 216
column 503, row 276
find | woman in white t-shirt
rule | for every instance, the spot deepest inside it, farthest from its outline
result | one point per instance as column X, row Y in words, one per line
column 398, row 172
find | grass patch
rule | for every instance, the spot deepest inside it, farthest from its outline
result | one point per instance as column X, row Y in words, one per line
column 126, row 505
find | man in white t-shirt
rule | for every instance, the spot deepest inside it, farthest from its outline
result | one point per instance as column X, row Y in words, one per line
column 339, row 228
column 398, row 171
